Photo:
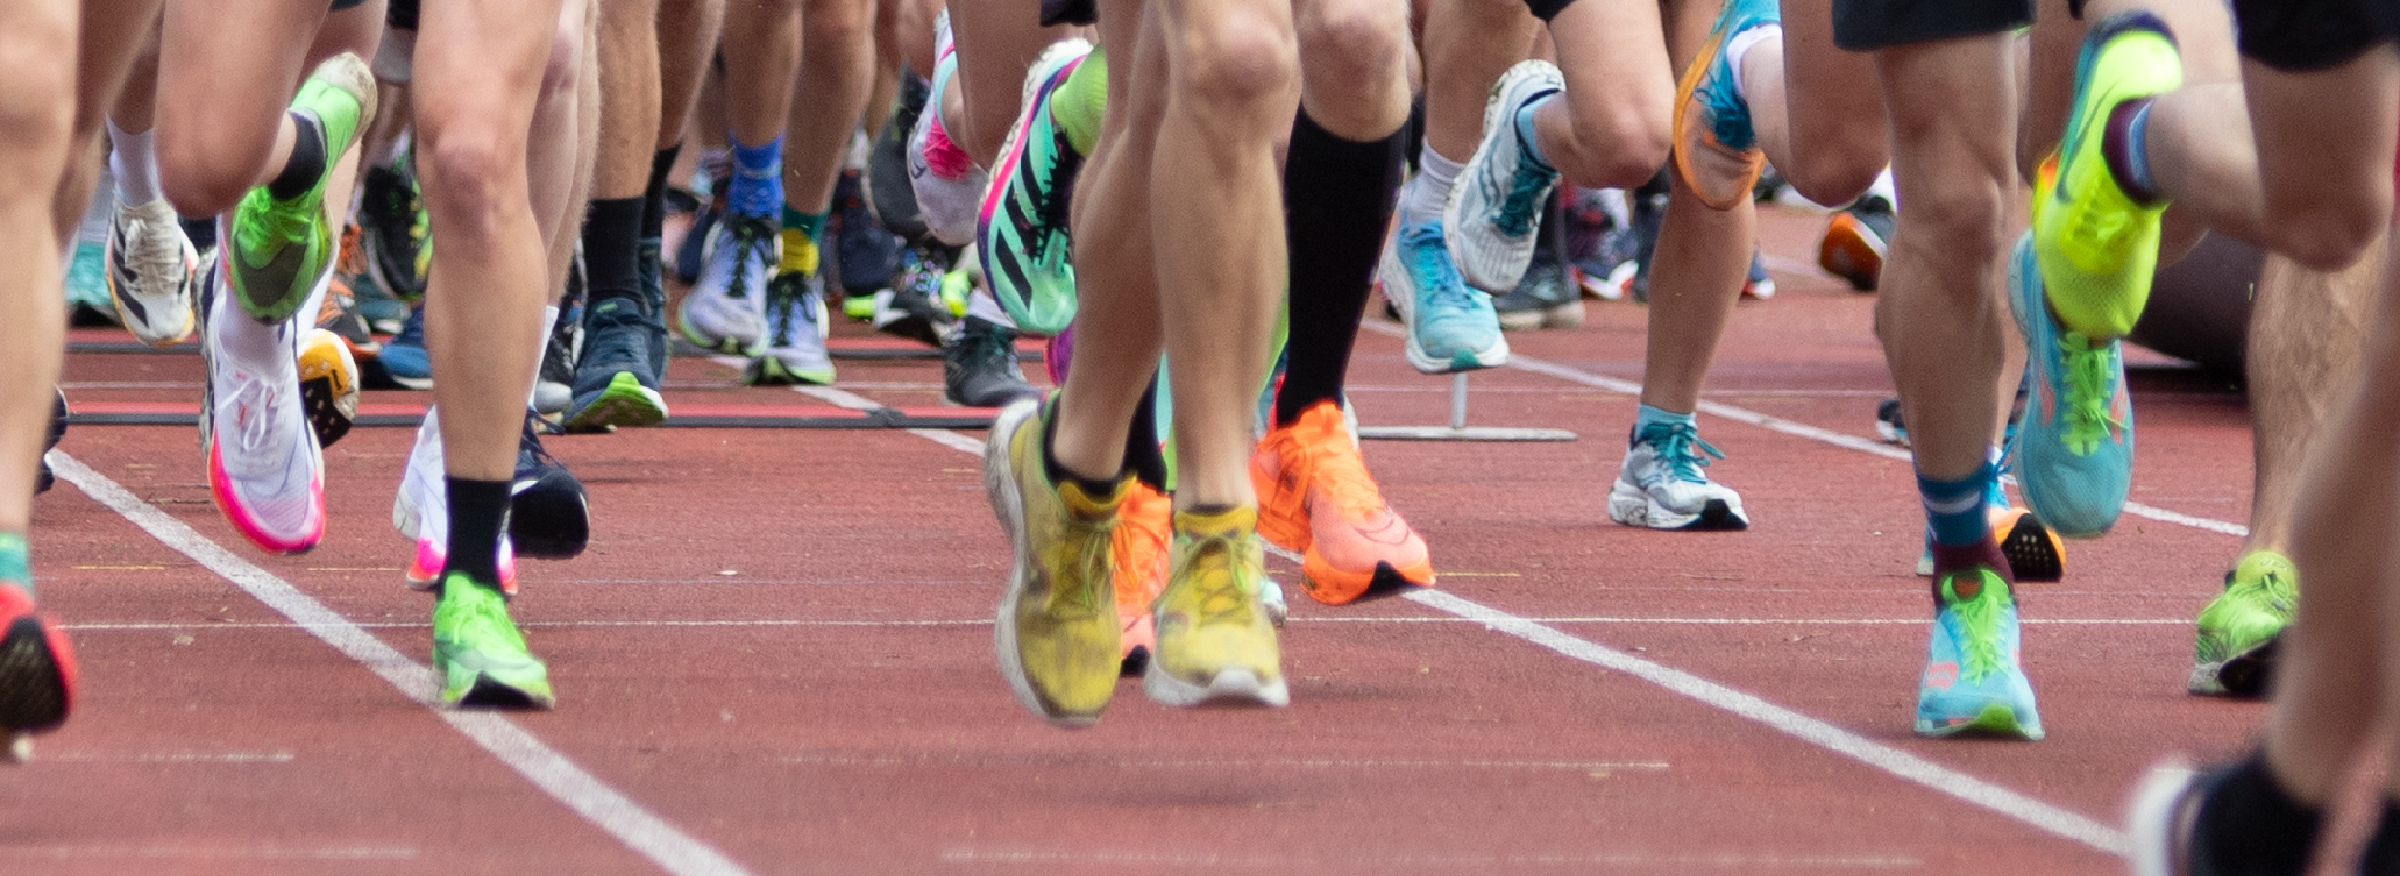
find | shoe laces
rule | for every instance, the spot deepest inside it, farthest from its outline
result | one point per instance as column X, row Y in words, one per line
column 477, row 620
column 1521, row 209
column 991, row 349
column 149, row 245
column 1437, row 279
column 788, row 309
column 1323, row 450
column 257, row 407
column 1219, row 577
column 2091, row 377
column 2271, row 586
column 753, row 240
column 1083, row 553
column 1978, row 620
column 1680, row 450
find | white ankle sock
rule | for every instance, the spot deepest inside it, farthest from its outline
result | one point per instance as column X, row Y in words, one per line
column 134, row 164
column 1427, row 193
column 1739, row 47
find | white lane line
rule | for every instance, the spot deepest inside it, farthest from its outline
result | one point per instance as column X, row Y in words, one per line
column 2055, row 820
column 1237, row 764
column 1967, row 788
column 1803, row 430
column 200, row 852
column 130, row 627
column 1744, row 861
column 606, row 807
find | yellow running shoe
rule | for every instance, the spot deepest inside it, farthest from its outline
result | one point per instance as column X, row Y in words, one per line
column 1057, row 633
column 1215, row 642
column 2096, row 246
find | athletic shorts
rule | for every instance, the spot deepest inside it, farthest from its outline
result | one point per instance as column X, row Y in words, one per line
column 1867, row 25
column 339, row 5
column 2300, row 35
column 1058, row 12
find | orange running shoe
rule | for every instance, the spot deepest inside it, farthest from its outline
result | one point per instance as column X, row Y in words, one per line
column 1314, row 497
column 1145, row 529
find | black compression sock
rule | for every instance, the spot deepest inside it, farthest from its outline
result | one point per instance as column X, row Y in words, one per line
column 478, row 514
column 307, row 164
column 1059, row 474
column 654, row 198
column 1338, row 196
column 1141, row 442
column 611, row 258
column 2249, row 825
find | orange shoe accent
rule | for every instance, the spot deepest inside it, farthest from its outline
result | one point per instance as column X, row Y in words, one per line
column 1139, row 546
column 1852, row 252
column 2035, row 555
column 351, row 259
column 1315, row 497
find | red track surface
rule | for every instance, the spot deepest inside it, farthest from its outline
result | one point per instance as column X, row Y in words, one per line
column 778, row 645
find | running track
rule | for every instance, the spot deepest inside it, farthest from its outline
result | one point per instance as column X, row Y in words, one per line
column 776, row 656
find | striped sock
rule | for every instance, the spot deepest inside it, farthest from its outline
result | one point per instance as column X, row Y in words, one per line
column 1955, row 509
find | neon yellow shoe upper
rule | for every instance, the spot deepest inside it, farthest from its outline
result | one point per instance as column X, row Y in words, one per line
column 2097, row 247
column 1057, row 633
column 1214, row 638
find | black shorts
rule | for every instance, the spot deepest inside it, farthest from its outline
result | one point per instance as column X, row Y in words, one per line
column 401, row 15
column 339, row 5
column 1867, row 25
column 2298, row 35
column 1058, row 12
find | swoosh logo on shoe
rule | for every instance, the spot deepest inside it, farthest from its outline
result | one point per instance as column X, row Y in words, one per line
column 278, row 273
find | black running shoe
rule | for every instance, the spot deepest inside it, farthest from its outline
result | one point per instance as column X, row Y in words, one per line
column 865, row 255
column 979, row 370
column 549, row 518
column 912, row 308
column 890, row 194
column 654, row 292
column 613, row 383
column 393, row 219
column 58, row 429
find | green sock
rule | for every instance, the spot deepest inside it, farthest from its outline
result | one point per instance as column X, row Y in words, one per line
column 15, row 569
column 800, row 241
column 1079, row 102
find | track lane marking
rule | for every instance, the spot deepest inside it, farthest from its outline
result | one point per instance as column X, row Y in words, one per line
column 1214, row 859
column 604, row 806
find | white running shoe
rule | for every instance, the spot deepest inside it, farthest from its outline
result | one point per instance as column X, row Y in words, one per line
column 1495, row 212
column 793, row 350
column 264, row 468
column 727, row 309
column 949, row 185
column 1661, row 485
column 152, row 273
column 421, row 511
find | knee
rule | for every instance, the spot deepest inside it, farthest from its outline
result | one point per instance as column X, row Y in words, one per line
column 2331, row 234
column 37, row 108
column 1620, row 144
column 1231, row 64
column 203, row 170
column 1837, row 175
column 464, row 164
column 1355, row 48
column 844, row 27
column 1960, row 217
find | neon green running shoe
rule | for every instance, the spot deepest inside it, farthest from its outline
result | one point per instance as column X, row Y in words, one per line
column 281, row 248
column 2097, row 247
column 2233, row 652
column 479, row 653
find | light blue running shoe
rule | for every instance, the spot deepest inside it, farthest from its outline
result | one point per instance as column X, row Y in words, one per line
column 2074, row 451
column 1450, row 327
column 1972, row 684
column 1495, row 208
column 404, row 358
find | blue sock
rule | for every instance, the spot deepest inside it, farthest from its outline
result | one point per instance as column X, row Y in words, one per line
column 1525, row 136
column 756, row 189
column 15, row 569
column 1955, row 509
column 1647, row 416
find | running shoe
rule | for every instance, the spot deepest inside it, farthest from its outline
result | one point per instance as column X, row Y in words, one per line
column 1888, row 424
column 1972, row 683
column 549, row 516
column 651, row 270
column 479, row 653
column 1138, row 549
column 1856, row 241
column 1497, row 203
column 2073, row 453
column 794, row 348
column 2162, row 823
column 691, row 251
column 1022, row 229
column 421, row 511
column 264, row 469
column 37, row 667
column 912, row 306
column 866, row 255
column 1057, row 632
column 726, row 310
column 403, row 357
column 1758, row 285
column 88, row 301
column 280, row 247
column 1216, row 644
column 2096, row 246
column 614, row 383
column 392, row 217
column 1716, row 151
column 44, row 479
column 2233, row 651
column 888, row 191
column 328, row 385
column 1547, row 297
column 1662, row 485
column 152, row 272
column 1316, row 498
column 949, row 186
column 979, row 368
column 340, row 315
column 2034, row 553
column 1451, row 327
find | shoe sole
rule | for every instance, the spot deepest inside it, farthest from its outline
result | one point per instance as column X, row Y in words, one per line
column 624, row 402
column 34, row 696
column 1691, row 141
column 1237, row 688
column 2033, row 552
column 770, row 371
column 1628, row 505
column 329, row 389
column 1996, row 721
column 2246, row 675
column 490, row 693
column 1331, row 586
column 1008, row 503
column 1847, row 252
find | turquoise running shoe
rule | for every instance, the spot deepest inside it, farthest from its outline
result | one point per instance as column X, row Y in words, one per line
column 1716, row 151
column 1972, row 683
column 2073, row 452
column 281, row 248
column 1496, row 207
column 2097, row 246
column 1028, row 256
column 1451, row 327
column 478, row 652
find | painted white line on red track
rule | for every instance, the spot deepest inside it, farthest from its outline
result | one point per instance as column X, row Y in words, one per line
column 1269, row 764
column 604, row 806
column 1799, row 430
column 1681, row 861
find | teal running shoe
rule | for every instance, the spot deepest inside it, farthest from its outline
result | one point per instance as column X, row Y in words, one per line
column 1502, row 191
column 1716, row 150
column 281, row 248
column 2073, row 452
column 478, row 652
column 2097, row 246
column 1972, row 683
column 1026, row 250
column 1451, row 328
column 2233, row 649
